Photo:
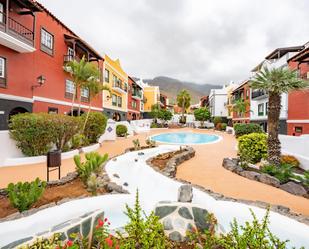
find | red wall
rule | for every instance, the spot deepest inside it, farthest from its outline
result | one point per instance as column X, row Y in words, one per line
column 247, row 114
column 132, row 110
column 24, row 68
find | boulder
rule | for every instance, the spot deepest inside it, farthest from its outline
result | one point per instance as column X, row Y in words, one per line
column 294, row 188
column 232, row 164
column 185, row 193
column 252, row 175
column 270, row 180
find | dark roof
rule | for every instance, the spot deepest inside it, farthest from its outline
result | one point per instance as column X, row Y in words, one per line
column 279, row 52
column 74, row 35
column 240, row 86
column 301, row 56
column 29, row 4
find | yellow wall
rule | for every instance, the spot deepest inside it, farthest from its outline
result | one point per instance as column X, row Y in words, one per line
column 114, row 68
column 152, row 94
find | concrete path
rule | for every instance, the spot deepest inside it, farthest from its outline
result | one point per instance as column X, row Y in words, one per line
column 204, row 169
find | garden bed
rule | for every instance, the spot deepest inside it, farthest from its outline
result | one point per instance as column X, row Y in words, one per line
column 292, row 186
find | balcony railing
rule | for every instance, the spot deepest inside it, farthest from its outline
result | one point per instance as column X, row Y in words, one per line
column 258, row 94
column 137, row 94
column 17, row 29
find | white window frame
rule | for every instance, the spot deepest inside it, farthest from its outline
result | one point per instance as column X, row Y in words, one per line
column 70, row 87
column 1, row 14
column 119, row 101
column 114, row 99
column 47, row 39
column 106, row 75
column 84, row 92
column 2, row 67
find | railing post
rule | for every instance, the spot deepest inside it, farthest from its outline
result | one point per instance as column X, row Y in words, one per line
column 7, row 16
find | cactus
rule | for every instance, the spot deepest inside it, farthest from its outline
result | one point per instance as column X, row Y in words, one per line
column 23, row 195
column 137, row 145
column 93, row 164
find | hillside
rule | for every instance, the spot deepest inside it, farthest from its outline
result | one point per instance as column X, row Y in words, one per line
column 171, row 87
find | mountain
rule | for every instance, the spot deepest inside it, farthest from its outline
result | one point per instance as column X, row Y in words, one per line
column 171, row 87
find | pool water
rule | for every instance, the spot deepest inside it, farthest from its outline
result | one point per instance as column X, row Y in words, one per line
column 186, row 138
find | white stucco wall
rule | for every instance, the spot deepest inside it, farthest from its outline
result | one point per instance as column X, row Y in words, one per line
column 8, row 147
column 217, row 102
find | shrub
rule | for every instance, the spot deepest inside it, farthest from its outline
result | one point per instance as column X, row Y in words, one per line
column 291, row 160
column 145, row 231
column 283, row 172
column 223, row 126
column 150, row 143
column 202, row 115
column 95, row 126
column 33, row 133
column 252, row 147
column 136, row 144
column 165, row 115
column 93, row 164
column 23, row 195
column 243, row 129
column 121, row 130
column 218, row 126
column 78, row 141
column 306, row 179
column 217, row 120
column 64, row 129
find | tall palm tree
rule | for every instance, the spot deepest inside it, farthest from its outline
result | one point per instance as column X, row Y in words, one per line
column 275, row 82
column 183, row 101
column 80, row 72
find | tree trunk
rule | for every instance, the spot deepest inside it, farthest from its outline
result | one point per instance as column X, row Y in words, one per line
column 273, row 142
column 73, row 100
column 87, row 117
column 79, row 104
column 183, row 111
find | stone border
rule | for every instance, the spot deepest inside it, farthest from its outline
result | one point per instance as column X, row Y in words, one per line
column 111, row 188
column 292, row 187
column 171, row 173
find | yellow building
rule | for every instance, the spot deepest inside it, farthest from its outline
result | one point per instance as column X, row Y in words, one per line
column 115, row 102
column 229, row 103
column 151, row 97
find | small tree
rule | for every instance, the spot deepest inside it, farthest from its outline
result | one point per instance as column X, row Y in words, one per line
column 165, row 115
column 202, row 115
column 155, row 109
column 183, row 101
column 240, row 106
column 275, row 82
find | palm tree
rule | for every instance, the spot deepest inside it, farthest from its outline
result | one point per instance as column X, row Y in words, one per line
column 275, row 82
column 240, row 106
column 80, row 71
column 183, row 101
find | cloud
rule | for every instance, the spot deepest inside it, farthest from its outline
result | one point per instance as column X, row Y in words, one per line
column 195, row 40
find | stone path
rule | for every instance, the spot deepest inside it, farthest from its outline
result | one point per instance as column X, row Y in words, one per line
column 204, row 169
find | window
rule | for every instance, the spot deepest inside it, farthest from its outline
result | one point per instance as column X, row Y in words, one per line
column 114, row 100
column 2, row 72
column 114, row 80
column 71, row 53
column 47, row 42
column 106, row 75
column 69, row 89
column 119, row 101
column 247, row 93
column 126, row 87
column 134, row 104
column 298, row 129
column 1, row 13
column 84, row 93
column 52, row 110
column 261, row 109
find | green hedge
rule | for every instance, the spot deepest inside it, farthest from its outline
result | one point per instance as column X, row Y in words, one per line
column 95, row 126
column 252, row 147
column 243, row 129
column 121, row 130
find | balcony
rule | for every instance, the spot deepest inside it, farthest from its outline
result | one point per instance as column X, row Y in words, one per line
column 15, row 35
column 137, row 95
column 258, row 94
column 117, row 87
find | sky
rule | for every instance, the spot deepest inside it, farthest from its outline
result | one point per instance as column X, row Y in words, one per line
column 202, row 41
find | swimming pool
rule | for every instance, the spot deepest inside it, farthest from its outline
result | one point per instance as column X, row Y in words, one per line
column 186, row 138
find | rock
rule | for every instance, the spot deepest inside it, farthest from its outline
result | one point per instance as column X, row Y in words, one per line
column 200, row 216
column 179, row 224
column 111, row 187
column 116, row 175
column 167, row 223
column 270, row 180
column 163, row 211
column 294, row 188
column 185, row 193
column 250, row 175
column 126, row 184
column 185, row 213
column 140, row 153
column 135, row 159
column 176, row 236
column 232, row 164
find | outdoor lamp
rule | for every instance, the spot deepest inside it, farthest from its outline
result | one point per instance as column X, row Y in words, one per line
column 40, row 80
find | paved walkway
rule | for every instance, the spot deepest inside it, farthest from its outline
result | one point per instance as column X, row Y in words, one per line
column 204, row 169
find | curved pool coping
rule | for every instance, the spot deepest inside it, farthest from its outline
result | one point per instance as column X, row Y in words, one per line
column 220, row 138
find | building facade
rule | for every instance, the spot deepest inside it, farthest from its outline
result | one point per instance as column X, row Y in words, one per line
column 34, row 47
column 298, row 101
column 135, row 97
column 151, row 97
column 115, row 103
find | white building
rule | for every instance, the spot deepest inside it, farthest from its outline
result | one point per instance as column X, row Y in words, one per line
column 259, row 98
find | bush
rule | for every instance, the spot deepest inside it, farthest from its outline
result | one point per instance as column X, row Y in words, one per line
column 218, row 126
column 145, row 231
column 33, row 133
column 283, row 172
column 23, row 195
column 217, row 120
column 95, row 126
column 305, row 180
column 252, row 147
column 165, row 115
column 78, row 141
column 154, row 125
column 136, row 144
column 291, row 160
column 202, row 115
column 223, row 126
column 121, row 130
column 93, row 164
column 243, row 129
column 150, row 143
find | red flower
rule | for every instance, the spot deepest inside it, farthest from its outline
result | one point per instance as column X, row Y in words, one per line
column 105, row 219
column 109, row 223
column 109, row 241
column 69, row 243
column 100, row 223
